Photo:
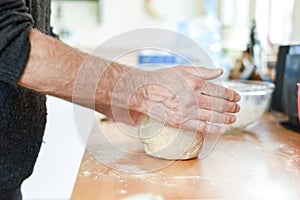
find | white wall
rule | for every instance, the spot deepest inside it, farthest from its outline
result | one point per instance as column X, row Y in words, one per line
column 116, row 16
column 57, row 166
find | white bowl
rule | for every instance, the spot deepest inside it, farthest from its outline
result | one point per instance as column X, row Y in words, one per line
column 255, row 100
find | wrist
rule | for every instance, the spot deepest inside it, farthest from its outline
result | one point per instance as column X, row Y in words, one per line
column 108, row 84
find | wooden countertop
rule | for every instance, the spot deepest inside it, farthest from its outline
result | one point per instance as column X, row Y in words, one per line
column 261, row 162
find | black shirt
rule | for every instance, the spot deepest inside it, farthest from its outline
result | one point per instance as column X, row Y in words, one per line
column 22, row 111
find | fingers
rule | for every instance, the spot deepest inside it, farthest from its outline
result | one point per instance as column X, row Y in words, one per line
column 218, row 91
column 213, row 117
column 197, row 76
column 202, row 115
column 217, row 104
column 196, row 125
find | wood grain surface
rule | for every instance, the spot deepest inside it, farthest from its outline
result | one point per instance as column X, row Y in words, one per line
column 262, row 162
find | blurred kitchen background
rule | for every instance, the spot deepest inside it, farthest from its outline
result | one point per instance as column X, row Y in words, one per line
column 222, row 27
column 242, row 37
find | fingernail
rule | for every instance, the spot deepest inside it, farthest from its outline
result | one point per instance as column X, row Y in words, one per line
column 238, row 107
column 238, row 97
column 220, row 71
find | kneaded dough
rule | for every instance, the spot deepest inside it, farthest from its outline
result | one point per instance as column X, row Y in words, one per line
column 169, row 143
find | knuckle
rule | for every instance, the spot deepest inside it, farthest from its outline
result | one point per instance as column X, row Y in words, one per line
column 234, row 107
column 207, row 103
column 193, row 84
column 229, row 95
column 227, row 119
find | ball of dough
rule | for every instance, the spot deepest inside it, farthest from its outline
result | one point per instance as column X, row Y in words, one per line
column 169, row 143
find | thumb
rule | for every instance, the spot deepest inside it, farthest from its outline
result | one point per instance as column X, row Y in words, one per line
column 208, row 74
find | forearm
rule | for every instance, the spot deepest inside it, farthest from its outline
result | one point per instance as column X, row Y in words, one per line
column 53, row 67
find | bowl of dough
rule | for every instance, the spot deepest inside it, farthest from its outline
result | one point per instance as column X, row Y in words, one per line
column 255, row 101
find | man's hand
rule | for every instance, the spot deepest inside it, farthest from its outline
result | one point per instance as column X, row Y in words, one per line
column 180, row 96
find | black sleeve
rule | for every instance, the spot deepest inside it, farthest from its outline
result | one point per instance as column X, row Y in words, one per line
column 15, row 24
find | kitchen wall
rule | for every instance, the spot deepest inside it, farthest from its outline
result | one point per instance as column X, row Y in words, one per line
column 87, row 24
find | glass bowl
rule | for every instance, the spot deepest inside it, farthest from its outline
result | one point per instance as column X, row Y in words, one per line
column 255, row 100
